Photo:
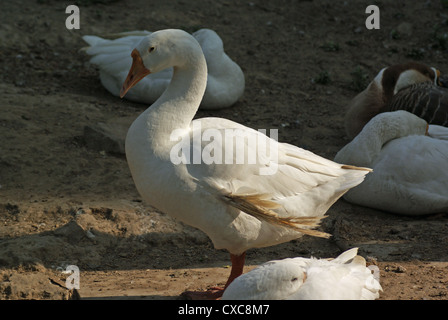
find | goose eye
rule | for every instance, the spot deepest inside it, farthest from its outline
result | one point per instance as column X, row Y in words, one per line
column 294, row 279
column 151, row 49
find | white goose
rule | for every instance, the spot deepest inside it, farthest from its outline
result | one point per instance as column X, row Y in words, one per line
column 410, row 86
column 410, row 169
column 344, row 278
column 225, row 82
column 280, row 196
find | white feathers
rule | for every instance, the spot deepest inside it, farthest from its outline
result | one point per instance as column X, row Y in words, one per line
column 235, row 204
column 409, row 168
column 225, row 83
column 343, row 278
column 302, row 185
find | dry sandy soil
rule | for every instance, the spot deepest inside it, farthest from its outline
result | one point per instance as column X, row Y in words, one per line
column 65, row 200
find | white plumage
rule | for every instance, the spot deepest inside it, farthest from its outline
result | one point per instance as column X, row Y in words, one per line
column 225, row 83
column 343, row 278
column 280, row 196
column 410, row 169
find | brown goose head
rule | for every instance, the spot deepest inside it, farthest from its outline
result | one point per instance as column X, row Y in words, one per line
column 374, row 99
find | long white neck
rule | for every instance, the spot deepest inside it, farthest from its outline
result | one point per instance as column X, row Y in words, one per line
column 367, row 145
column 177, row 106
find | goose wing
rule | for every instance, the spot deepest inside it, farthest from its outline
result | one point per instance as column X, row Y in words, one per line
column 284, row 184
column 425, row 100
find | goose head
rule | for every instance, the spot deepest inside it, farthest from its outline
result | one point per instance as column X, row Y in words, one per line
column 400, row 76
column 395, row 124
column 158, row 51
column 211, row 43
column 213, row 49
column 374, row 99
column 275, row 280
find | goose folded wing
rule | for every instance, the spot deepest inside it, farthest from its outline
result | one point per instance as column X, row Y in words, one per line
column 286, row 182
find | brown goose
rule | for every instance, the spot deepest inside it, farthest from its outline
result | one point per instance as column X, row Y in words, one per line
column 410, row 86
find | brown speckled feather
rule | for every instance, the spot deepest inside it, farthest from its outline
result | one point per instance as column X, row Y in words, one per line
column 260, row 207
column 425, row 100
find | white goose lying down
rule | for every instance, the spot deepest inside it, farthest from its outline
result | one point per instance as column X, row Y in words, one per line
column 343, row 278
column 410, row 169
column 225, row 83
column 279, row 197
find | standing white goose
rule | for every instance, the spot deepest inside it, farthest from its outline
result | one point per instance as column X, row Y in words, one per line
column 344, row 278
column 225, row 81
column 238, row 204
column 410, row 86
column 410, row 169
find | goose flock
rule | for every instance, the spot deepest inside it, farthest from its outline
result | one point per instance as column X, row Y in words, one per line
column 399, row 127
column 282, row 192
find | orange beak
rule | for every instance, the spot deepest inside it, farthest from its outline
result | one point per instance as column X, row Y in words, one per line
column 138, row 72
column 427, row 128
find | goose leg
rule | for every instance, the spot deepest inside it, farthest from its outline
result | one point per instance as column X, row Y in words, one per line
column 237, row 267
column 215, row 293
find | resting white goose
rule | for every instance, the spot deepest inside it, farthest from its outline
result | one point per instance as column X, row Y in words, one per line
column 225, row 82
column 192, row 170
column 410, row 174
column 344, row 278
column 411, row 86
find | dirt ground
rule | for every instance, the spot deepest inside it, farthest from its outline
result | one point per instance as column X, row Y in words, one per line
column 65, row 201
